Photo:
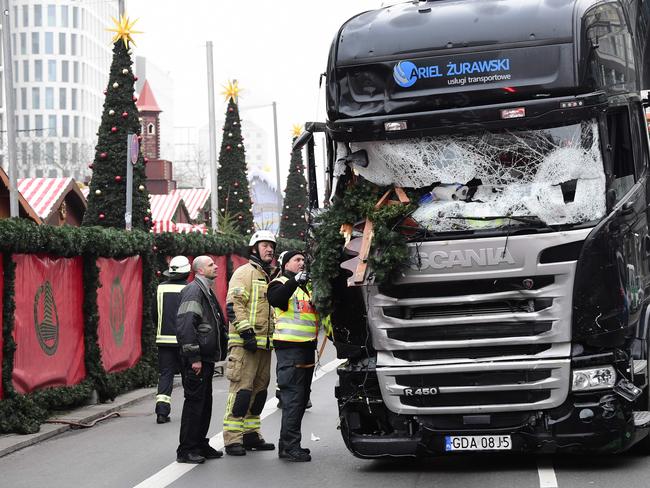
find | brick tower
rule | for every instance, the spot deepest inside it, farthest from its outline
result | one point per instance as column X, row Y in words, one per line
column 158, row 171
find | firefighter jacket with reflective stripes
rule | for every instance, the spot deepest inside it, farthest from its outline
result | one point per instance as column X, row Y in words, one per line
column 168, row 297
column 200, row 325
column 299, row 322
column 248, row 305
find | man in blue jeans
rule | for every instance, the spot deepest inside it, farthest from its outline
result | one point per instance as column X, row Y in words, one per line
column 294, row 341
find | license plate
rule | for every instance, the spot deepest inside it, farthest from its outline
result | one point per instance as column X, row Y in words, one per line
column 478, row 443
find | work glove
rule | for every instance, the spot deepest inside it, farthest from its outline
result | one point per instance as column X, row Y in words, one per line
column 301, row 277
column 250, row 341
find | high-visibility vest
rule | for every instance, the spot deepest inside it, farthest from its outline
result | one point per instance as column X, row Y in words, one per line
column 168, row 297
column 299, row 323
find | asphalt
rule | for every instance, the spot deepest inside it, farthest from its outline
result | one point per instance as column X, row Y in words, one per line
column 75, row 419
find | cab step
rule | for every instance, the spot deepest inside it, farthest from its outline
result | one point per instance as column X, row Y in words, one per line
column 641, row 418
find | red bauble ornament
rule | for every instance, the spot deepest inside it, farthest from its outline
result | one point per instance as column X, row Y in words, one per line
column 105, row 92
column 286, row 217
column 113, row 130
column 158, row 273
column 146, row 218
column 135, row 78
column 230, row 109
column 146, row 160
column 241, row 217
column 299, row 206
column 103, row 155
column 134, row 98
column 228, row 148
column 302, row 234
column 125, row 114
column 118, row 178
column 236, row 184
column 91, row 165
column 155, row 249
column 101, row 216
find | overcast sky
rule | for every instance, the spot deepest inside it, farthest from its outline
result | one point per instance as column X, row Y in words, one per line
column 276, row 49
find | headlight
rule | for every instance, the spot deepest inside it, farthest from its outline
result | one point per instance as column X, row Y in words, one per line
column 593, row 378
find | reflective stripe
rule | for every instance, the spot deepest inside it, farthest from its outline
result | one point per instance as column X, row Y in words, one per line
column 235, row 339
column 242, row 325
column 233, row 425
column 166, row 339
column 253, row 303
column 299, row 323
column 250, row 424
column 160, row 292
column 163, row 399
column 190, row 306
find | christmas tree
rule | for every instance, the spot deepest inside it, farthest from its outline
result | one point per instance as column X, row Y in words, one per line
column 234, row 197
column 293, row 224
column 107, row 197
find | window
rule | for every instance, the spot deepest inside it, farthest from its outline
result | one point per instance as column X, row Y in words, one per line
column 52, row 172
column 25, row 125
column 151, row 129
column 65, row 68
column 65, row 126
column 63, row 102
column 38, row 70
column 38, row 172
column 49, row 98
column 14, row 44
column 36, row 98
column 23, row 43
column 49, row 43
column 24, row 154
column 38, row 15
column 64, row 15
column 73, row 44
column 51, row 70
column 75, row 125
column 75, row 71
column 63, row 152
column 36, row 152
column 73, row 99
column 36, row 48
column 25, row 70
column 25, row 15
column 51, row 15
column 75, row 17
column 15, row 16
column 622, row 153
column 75, row 152
column 23, row 98
column 62, row 43
column 38, row 124
column 51, row 125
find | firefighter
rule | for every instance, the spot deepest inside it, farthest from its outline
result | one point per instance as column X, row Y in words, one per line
column 164, row 315
column 249, row 348
column 294, row 341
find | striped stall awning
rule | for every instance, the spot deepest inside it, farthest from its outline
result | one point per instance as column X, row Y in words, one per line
column 43, row 193
column 194, row 199
column 159, row 227
column 187, row 228
column 163, row 207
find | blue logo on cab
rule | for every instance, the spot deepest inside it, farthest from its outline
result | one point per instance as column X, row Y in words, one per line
column 405, row 74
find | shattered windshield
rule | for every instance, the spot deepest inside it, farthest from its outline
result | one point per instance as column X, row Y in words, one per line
column 476, row 181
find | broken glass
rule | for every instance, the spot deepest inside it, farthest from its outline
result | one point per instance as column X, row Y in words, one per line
column 554, row 174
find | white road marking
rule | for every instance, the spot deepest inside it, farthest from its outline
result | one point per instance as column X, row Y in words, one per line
column 546, row 473
column 173, row 471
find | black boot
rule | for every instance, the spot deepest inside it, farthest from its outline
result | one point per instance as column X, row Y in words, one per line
column 235, row 450
column 295, row 454
column 253, row 442
column 162, row 419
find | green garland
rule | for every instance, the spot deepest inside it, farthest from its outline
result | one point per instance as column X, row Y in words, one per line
column 389, row 252
column 24, row 413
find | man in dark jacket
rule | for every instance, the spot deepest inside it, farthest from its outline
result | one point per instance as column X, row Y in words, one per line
column 202, row 337
column 165, row 310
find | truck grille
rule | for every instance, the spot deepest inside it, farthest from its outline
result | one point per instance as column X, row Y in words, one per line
column 458, row 320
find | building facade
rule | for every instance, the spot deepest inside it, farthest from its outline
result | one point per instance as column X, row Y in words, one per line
column 61, row 59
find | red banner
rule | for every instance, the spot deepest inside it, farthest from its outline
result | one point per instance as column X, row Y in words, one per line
column 49, row 324
column 2, row 292
column 237, row 261
column 119, row 304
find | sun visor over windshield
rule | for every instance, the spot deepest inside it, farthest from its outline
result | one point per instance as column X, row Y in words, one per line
column 422, row 84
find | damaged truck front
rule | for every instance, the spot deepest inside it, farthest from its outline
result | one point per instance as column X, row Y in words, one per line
column 520, row 321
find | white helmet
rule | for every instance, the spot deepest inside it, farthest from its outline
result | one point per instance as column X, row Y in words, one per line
column 178, row 265
column 261, row 235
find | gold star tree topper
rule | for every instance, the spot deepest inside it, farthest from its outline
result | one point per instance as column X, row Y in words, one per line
column 296, row 130
column 123, row 30
column 231, row 90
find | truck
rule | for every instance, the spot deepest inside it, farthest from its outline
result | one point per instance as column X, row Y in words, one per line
column 520, row 322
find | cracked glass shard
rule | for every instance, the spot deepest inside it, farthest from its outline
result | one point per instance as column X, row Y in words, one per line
column 555, row 174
